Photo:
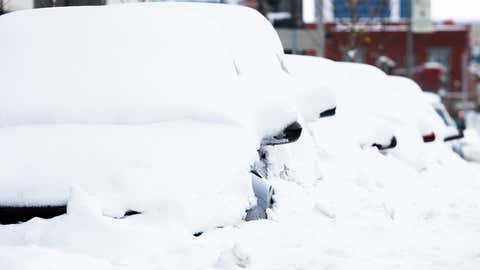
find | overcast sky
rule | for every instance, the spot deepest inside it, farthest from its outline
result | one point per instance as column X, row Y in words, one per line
column 459, row 10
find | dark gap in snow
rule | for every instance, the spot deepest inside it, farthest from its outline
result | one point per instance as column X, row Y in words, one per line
column 19, row 214
column 131, row 213
column 128, row 213
column 329, row 112
column 197, row 234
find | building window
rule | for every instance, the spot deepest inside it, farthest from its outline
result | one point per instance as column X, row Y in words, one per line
column 404, row 14
column 344, row 9
column 441, row 55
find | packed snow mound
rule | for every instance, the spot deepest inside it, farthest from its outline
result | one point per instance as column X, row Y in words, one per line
column 316, row 96
column 127, row 64
column 193, row 173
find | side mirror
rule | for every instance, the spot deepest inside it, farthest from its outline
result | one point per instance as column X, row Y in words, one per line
column 288, row 135
column 264, row 193
column 459, row 136
column 329, row 112
column 393, row 144
column 429, row 137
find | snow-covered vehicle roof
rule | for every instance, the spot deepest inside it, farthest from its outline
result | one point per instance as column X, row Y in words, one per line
column 316, row 96
column 141, row 109
column 126, row 64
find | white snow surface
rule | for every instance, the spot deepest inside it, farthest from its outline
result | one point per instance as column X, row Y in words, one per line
column 338, row 206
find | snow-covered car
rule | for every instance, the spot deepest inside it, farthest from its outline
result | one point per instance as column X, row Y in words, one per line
column 410, row 107
column 366, row 101
column 166, row 121
column 316, row 99
column 466, row 142
column 354, row 132
column 447, row 128
column 421, row 131
column 331, row 83
column 377, row 110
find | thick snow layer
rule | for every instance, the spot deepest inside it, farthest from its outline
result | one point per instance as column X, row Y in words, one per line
column 139, row 64
column 196, row 173
column 316, row 96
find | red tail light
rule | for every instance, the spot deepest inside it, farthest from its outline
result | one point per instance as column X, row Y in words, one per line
column 429, row 137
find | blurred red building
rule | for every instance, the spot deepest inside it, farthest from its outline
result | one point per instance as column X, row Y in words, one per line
column 440, row 57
